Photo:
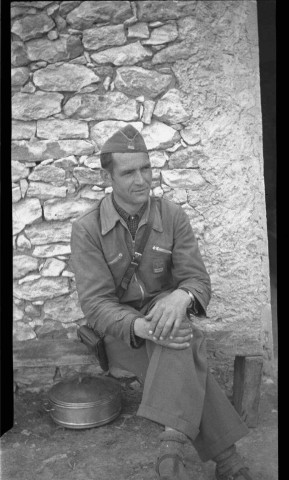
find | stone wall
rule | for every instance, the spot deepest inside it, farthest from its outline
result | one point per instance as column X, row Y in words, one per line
column 185, row 74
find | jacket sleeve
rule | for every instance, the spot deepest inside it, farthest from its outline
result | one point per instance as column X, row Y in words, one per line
column 96, row 288
column 188, row 268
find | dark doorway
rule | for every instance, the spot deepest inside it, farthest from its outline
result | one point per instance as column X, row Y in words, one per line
column 267, row 52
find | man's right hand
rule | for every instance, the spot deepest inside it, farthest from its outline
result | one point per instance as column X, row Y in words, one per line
column 181, row 341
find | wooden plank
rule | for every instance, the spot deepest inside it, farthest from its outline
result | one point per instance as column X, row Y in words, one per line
column 44, row 353
column 247, row 387
column 229, row 340
column 228, row 343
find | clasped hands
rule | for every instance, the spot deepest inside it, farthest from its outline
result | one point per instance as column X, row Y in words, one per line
column 167, row 323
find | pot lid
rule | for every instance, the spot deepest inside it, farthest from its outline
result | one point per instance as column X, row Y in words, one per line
column 84, row 390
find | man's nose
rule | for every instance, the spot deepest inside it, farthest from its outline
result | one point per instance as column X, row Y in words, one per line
column 139, row 178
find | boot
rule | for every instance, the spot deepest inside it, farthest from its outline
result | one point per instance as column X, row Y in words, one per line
column 230, row 466
column 170, row 463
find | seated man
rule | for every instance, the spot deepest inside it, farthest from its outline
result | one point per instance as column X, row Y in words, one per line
column 146, row 315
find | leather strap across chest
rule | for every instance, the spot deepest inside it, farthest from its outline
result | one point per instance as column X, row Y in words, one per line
column 136, row 259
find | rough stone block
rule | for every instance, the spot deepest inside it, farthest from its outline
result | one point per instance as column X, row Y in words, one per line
column 187, row 158
column 19, row 76
column 60, row 129
column 16, row 194
column 44, row 191
column 25, row 212
column 49, row 232
column 23, row 130
column 19, row 55
column 165, row 34
column 23, row 264
column 48, row 149
column 66, row 47
column 51, row 330
column 188, row 28
column 45, row 251
column 91, row 177
column 102, row 107
column 41, row 288
column 150, row 11
column 29, row 278
column 190, row 136
column 138, row 30
column 158, row 159
column 21, row 11
column 28, row 106
column 52, row 267
column 32, row 26
column 48, row 174
column 125, row 55
column 22, row 332
column 63, row 309
column 90, row 194
column 140, row 81
column 65, row 208
column 88, row 13
column 183, row 178
column 17, row 313
column 36, row 5
column 66, row 6
column 149, row 106
column 169, row 108
column 98, row 37
column 67, row 77
column 158, row 135
column 175, row 52
column 67, row 163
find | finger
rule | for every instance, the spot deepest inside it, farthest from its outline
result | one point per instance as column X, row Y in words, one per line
column 177, row 346
column 150, row 314
column 167, row 328
column 176, row 327
column 154, row 321
column 158, row 333
column 185, row 339
column 184, row 331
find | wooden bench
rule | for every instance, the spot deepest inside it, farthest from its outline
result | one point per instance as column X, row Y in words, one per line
column 248, row 364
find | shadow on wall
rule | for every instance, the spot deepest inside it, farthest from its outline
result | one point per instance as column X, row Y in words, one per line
column 267, row 51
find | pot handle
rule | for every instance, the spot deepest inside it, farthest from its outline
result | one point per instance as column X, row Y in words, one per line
column 48, row 409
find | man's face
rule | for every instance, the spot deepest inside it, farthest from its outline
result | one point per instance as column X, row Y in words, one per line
column 131, row 179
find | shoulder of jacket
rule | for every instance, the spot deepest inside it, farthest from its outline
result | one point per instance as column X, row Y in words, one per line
column 89, row 214
column 170, row 207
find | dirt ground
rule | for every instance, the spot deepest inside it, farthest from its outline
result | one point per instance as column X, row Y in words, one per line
column 37, row 448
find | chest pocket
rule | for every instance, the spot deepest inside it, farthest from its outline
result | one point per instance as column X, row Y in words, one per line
column 161, row 260
column 117, row 264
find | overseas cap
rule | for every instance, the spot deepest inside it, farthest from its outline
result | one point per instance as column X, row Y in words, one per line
column 125, row 140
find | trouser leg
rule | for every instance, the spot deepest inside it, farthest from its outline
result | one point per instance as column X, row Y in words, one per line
column 220, row 426
column 179, row 393
column 174, row 388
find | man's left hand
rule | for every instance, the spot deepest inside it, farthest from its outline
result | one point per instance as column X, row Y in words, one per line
column 167, row 315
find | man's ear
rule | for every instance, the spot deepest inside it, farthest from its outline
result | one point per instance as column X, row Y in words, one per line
column 106, row 177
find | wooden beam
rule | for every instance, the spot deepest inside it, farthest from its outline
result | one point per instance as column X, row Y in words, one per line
column 45, row 353
column 247, row 387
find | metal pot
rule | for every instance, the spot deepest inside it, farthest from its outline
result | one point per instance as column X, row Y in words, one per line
column 85, row 402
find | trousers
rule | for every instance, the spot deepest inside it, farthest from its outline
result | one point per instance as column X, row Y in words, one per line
column 179, row 392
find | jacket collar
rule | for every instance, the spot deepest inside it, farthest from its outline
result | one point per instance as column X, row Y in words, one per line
column 109, row 216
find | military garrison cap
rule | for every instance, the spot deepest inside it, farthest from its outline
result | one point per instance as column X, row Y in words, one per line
column 125, row 140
